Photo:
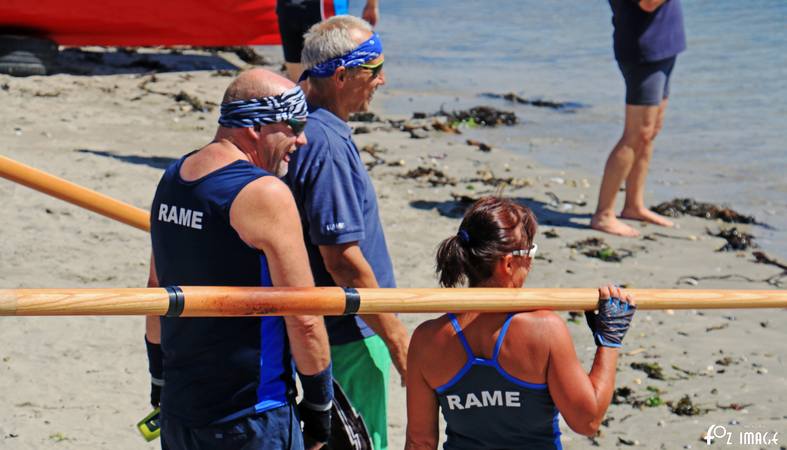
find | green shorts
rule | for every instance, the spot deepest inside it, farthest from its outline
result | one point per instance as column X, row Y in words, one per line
column 363, row 368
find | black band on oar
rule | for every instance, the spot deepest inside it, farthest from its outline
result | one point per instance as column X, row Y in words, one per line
column 177, row 301
column 352, row 300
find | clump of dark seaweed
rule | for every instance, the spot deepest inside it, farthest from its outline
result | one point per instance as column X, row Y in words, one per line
column 625, row 395
column 688, row 206
column 480, row 115
column 652, row 370
column 435, row 177
column 249, row 55
column 598, row 248
column 195, row 103
column 762, row 258
column 560, row 106
column 736, row 240
column 621, row 395
column 685, row 407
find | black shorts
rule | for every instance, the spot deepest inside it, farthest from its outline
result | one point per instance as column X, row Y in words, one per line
column 647, row 83
column 295, row 19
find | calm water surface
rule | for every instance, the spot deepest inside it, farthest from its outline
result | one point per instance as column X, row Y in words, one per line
column 726, row 126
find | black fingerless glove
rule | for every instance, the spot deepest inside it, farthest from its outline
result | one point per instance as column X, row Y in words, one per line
column 156, row 368
column 316, row 424
column 315, row 408
column 611, row 322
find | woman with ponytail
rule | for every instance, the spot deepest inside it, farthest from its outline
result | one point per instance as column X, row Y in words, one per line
column 501, row 379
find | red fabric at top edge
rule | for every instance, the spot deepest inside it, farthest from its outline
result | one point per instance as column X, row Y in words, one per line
column 146, row 22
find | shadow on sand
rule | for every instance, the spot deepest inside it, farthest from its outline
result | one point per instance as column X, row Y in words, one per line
column 545, row 213
column 157, row 162
column 76, row 61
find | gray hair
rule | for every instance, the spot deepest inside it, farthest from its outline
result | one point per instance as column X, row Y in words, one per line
column 330, row 38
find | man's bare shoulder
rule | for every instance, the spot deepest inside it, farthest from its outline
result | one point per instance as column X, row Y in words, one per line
column 263, row 209
column 266, row 193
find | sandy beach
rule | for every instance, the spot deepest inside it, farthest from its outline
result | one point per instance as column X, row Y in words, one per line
column 110, row 124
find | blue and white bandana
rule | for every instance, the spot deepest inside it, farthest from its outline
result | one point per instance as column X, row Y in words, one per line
column 290, row 104
column 368, row 50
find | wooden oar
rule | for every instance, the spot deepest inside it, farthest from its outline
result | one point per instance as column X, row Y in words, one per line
column 74, row 193
column 191, row 301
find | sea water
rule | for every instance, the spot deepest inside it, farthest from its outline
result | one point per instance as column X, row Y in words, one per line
column 725, row 134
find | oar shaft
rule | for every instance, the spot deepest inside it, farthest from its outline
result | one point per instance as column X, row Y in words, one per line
column 73, row 193
column 243, row 301
column 564, row 299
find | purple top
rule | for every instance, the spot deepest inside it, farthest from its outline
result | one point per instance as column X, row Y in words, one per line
column 641, row 36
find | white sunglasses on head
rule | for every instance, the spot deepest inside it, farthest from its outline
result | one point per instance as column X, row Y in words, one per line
column 530, row 252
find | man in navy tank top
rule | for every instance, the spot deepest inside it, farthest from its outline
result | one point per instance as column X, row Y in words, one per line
column 221, row 217
column 647, row 39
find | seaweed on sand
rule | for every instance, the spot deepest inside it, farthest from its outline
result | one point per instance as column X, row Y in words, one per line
column 736, row 240
column 435, row 177
column 688, row 206
column 652, row 370
column 480, row 115
column 559, row 106
column 685, row 407
column 598, row 248
column 625, row 395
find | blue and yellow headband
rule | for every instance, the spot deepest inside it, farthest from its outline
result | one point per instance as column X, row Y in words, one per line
column 368, row 50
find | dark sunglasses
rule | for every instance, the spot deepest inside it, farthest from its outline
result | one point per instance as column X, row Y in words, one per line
column 296, row 125
column 374, row 68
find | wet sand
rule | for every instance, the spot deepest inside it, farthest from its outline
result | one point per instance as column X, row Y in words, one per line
column 82, row 382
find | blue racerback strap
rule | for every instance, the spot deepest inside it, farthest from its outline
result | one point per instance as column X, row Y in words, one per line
column 461, row 335
column 502, row 335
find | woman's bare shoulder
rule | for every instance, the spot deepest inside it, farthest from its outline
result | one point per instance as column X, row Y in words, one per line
column 541, row 323
column 429, row 333
column 430, row 328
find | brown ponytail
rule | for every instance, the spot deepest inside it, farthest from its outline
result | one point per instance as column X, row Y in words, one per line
column 491, row 228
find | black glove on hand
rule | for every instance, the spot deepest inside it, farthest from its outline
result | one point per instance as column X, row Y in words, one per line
column 614, row 316
column 155, row 395
column 316, row 425
column 156, row 368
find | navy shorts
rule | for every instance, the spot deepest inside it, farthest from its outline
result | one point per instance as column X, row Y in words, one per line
column 647, row 83
column 275, row 429
column 295, row 19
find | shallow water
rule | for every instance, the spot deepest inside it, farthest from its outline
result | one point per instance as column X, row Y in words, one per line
column 724, row 136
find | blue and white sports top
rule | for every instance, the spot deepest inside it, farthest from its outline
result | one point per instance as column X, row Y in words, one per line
column 486, row 407
column 214, row 368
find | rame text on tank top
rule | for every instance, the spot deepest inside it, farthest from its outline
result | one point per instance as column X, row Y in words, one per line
column 486, row 407
column 214, row 367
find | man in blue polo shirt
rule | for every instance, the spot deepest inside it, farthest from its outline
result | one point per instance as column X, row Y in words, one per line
column 647, row 39
column 338, row 207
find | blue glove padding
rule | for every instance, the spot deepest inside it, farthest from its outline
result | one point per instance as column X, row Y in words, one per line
column 611, row 322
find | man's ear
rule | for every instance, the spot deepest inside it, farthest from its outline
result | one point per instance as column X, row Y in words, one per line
column 252, row 132
column 340, row 75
